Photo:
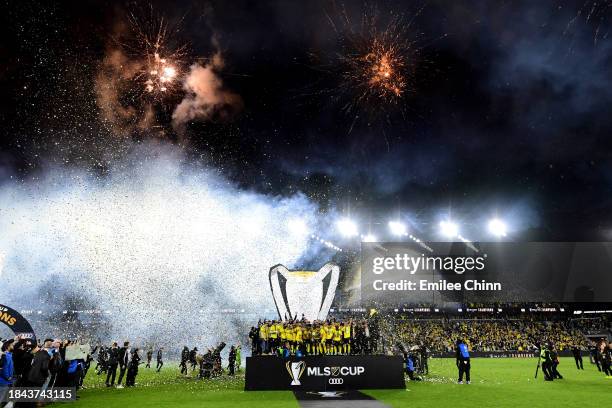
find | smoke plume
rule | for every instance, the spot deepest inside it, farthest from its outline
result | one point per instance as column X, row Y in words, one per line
column 206, row 98
column 168, row 251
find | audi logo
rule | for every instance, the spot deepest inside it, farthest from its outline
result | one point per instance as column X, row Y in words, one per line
column 336, row 381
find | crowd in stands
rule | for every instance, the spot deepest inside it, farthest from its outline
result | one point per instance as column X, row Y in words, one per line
column 483, row 334
column 593, row 325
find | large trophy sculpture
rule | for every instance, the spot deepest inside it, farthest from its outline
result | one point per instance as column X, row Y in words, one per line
column 304, row 293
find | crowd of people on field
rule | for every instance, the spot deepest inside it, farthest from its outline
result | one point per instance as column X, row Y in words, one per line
column 123, row 362
column 125, row 359
column 210, row 363
column 600, row 354
column 44, row 365
column 52, row 362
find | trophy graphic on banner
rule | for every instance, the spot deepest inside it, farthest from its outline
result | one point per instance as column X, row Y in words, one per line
column 296, row 369
column 308, row 293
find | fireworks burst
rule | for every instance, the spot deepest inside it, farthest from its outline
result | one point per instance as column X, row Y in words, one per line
column 149, row 81
column 376, row 59
column 161, row 75
column 162, row 62
column 378, row 72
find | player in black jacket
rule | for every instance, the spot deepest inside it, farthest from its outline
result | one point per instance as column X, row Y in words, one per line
column 111, row 364
column 554, row 355
column 184, row 360
column 124, row 358
column 160, row 361
column 577, row 357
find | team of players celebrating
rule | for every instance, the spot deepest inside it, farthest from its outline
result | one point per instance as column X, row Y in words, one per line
column 301, row 337
column 353, row 336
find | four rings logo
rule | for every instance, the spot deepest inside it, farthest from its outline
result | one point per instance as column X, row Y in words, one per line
column 336, row 381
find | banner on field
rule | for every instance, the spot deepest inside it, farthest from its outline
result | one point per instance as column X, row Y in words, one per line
column 321, row 373
column 77, row 352
column 17, row 323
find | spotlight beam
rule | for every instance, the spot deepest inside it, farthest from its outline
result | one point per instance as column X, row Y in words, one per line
column 347, row 228
column 398, row 229
column 497, row 227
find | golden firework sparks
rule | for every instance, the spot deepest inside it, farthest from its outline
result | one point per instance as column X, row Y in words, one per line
column 382, row 69
column 161, row 75
column 376, row 60
column 150, row 42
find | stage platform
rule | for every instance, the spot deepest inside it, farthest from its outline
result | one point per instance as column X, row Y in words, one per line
column 324, row 373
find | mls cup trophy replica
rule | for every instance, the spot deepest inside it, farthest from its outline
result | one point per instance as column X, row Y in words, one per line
column 296, row 369
column 308, row 293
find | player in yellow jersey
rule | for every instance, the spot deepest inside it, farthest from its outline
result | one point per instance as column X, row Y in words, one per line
column 289, row 337
column 329, row 338
column 337, row 339
column 282, row 334
column 346, row 343
column 264, row 333
column 323, row 333
column 316, row 339
column 307, row 337
column 298, row 337
column 273, row 334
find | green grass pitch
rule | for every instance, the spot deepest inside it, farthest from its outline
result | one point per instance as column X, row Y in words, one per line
column 495, row 382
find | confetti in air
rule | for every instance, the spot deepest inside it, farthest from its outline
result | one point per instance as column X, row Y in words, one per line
column 597, row 15
column 163, row 246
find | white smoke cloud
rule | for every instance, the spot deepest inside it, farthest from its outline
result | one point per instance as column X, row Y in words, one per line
column 161, row 244
column 206, row 98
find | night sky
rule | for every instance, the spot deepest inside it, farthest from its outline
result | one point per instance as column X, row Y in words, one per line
column 506, row 111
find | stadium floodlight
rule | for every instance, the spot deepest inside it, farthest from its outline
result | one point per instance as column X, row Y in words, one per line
column 449, row 229
column 369, row 238
column 397, row 228
column 347, row 228
column 297, row 226
column 497, row 227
